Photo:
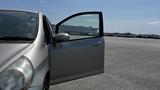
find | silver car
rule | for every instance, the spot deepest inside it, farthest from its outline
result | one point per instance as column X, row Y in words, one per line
column 35, row 54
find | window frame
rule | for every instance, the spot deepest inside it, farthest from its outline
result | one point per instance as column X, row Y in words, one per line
column 101, row 33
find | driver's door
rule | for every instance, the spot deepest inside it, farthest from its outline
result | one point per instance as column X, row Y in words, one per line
column 83, row 54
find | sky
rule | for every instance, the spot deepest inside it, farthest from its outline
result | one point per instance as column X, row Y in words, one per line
column 135, row 16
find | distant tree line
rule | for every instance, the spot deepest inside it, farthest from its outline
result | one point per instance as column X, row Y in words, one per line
column 86, row 30
column 131, row 35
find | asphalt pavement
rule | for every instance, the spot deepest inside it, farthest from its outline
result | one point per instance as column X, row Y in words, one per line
column 130, row 64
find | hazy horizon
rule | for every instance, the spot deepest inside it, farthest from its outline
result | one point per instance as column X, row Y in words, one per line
column 132, row 33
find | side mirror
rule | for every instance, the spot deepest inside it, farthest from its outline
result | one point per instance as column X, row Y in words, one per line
column 61, row 37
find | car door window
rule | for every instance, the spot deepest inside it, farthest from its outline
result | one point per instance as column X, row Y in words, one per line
column 81, row 27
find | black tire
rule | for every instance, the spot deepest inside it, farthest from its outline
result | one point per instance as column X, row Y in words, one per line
column 46, row 83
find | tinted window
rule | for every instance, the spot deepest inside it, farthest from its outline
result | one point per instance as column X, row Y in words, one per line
column 83, row 26
column 18, row 25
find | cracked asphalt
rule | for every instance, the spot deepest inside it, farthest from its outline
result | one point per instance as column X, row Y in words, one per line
column 130, row 64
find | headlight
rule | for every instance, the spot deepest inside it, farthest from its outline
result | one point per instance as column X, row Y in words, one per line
column 17, row 76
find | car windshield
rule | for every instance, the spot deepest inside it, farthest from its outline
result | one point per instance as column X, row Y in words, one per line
column 18, row 25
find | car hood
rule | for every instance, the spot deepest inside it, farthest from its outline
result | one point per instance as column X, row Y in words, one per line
column 8, row 51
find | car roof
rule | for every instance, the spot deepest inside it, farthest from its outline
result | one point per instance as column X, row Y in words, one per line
column 16, row 10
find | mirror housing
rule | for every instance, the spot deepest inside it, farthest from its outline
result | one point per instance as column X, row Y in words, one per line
column 61, row 37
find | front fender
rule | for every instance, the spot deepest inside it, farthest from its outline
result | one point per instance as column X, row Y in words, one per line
column 40, row 73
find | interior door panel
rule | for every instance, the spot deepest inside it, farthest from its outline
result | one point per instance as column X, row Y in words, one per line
column 77, row 59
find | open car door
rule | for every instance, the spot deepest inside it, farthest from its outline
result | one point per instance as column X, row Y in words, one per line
column 83, row 54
